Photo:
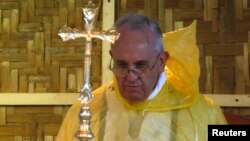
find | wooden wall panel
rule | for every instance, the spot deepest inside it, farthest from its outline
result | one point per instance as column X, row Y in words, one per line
column 30, row 42
column 34, row 59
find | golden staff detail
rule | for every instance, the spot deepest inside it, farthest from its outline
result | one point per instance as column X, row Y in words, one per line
column 66, row 33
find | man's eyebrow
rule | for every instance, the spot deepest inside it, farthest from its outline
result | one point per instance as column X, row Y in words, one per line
column 137, row 62
column 142, row 61
column 120, row 61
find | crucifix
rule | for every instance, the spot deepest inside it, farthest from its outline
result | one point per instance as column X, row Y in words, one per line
column 66, row 33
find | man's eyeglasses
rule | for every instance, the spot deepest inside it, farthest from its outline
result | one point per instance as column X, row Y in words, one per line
column 122, row 69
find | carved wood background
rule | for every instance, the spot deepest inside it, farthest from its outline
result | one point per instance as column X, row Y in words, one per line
column 33, row 59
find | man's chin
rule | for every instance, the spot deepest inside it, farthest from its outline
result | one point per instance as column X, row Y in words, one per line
column 133, row 97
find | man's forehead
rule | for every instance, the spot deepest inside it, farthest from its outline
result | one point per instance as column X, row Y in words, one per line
column 133, row 36
column 132, row 61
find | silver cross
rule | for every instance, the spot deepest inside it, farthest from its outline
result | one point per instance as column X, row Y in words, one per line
column 67, row 33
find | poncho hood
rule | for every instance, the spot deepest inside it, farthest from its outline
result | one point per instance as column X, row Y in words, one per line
column 182, row 69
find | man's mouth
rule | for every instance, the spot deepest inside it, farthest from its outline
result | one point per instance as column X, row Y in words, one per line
column 132, row 88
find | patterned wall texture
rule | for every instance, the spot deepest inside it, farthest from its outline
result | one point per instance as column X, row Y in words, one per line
column 33, row 59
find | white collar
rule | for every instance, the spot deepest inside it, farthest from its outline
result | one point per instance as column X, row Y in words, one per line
column 161, row 81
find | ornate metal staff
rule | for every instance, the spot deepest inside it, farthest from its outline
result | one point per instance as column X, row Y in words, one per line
column 66, row 33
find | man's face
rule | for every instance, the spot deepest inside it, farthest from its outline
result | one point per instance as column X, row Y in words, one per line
column 133, row 50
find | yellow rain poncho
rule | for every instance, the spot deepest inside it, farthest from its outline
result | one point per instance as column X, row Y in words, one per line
column 178, row 113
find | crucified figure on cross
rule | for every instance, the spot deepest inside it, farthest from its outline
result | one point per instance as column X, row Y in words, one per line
column 67, row 33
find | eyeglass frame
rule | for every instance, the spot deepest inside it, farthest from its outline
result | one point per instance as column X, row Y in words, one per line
column 134, row 70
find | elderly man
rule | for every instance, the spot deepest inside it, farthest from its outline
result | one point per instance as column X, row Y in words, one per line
column 152, row 97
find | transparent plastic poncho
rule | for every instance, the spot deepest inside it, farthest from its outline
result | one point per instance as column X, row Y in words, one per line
column 178, row 113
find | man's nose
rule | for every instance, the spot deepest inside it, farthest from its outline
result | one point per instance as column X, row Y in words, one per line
column 132, row 75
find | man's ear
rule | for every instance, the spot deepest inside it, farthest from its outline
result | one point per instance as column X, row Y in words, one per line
column 164, row 58
column 166, row 54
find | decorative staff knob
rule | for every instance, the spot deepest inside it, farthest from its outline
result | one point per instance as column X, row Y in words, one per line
column 84, row 131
